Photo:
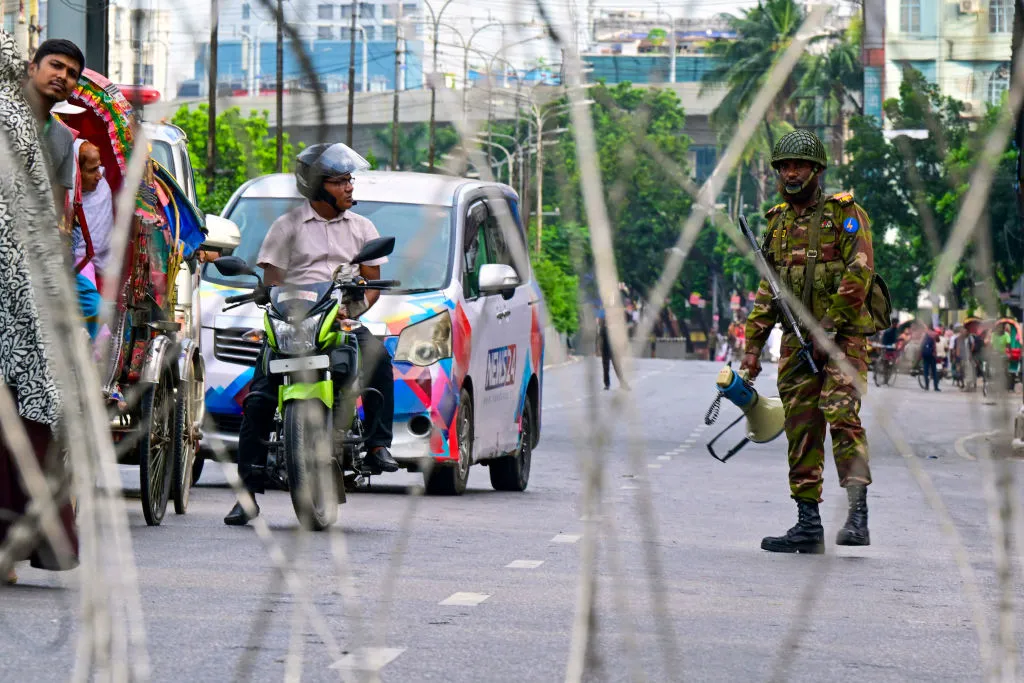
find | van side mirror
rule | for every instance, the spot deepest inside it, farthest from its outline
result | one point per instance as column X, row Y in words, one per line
column 222, row 235
column 374, row 249
column 498, row 278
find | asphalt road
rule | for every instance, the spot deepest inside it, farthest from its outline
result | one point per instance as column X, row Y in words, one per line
column 895, row 611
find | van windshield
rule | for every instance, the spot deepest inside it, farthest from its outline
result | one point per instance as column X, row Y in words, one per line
column 422, row 233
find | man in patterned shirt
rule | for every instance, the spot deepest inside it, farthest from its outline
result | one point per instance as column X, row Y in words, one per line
column 820, row 246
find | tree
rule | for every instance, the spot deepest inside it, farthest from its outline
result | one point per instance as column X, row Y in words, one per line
column 762, row 34
column 413, row 142
column 825, row 91
column 245, row 150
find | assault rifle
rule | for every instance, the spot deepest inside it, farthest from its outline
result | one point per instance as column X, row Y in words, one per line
column 806, row 351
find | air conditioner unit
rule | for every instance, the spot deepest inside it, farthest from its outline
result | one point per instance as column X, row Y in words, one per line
column 970, row 6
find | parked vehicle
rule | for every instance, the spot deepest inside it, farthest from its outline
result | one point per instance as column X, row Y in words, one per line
column 465, row 330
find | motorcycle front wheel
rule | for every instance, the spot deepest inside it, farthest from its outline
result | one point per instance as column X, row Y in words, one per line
column 308, row 430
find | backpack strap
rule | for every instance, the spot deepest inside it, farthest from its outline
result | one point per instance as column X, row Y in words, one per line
column 814, row 241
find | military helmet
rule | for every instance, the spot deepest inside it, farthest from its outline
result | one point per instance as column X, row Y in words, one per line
column 800, row 144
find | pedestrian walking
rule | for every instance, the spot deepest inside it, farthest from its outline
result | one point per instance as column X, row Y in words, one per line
column 820, row 245
column 929, row 360
column 608, row 357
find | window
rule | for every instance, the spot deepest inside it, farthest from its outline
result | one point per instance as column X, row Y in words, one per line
column 118, row 20
column 474, row 255
column 910, row 16
column 245, row 29
column 325, row 12
column 367, row 11
column 346, row 11
column 505, row 241
column 371, row 32
column 324, row 33
column 387, row 33
column 409, row 9
column 706, row 159
column 346, row 33
column 246, row 11
column 389, row 11
column 143, row 74
column 998, row 83
column 1000, row 16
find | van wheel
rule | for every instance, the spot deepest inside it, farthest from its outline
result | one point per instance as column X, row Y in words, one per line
column 450, row 480
column 512, row 472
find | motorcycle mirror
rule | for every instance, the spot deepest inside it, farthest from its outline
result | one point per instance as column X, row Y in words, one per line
column 374, row 249
column 233, row 265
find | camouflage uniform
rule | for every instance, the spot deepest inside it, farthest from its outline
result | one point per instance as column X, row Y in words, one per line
column 842, row 280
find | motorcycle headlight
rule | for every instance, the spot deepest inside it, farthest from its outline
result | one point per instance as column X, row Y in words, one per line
column 426, row 342
column 296, row 338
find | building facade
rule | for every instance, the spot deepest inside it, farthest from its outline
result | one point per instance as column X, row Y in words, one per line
column 139, row 46
column 247, row 51
column 963, row 46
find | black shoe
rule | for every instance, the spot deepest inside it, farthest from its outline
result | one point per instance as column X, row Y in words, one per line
column 238, row 517
column 807, row 536
column 937, row 389
column 855, row 531
column 380, row 459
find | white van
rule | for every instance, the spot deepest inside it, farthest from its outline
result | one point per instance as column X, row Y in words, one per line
column 470, row 390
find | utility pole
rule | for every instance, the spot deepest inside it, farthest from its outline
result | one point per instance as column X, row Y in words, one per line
column 352, row 73
column 280, row 86
column 398, row 76
column 540, row 180
column 211, row 131
column 432, row 151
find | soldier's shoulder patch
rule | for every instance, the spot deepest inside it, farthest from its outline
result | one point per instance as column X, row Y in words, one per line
column 775, row 210
column 844, row 198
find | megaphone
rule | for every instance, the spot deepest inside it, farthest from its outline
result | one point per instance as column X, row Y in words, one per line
column 765, row 416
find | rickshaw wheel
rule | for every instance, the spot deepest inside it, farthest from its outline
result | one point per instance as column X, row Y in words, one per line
column 185, row 438
column 155, row 450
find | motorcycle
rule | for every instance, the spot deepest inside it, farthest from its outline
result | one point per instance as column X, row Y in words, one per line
column 318, row 433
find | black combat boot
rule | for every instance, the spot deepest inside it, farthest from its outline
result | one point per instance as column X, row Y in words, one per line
column 807, row 536
column 855, row 531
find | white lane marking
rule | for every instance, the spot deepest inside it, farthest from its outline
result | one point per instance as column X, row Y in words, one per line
column 654, row 466
column 368, row 658
column 566, row 538
column 524, row 564
column 664, row 457
column 629, row 487
column 464, row 599
column 960, row 446
column 689, row 442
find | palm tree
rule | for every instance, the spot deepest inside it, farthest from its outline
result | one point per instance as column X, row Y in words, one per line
column 825, row 91
column 762, row 35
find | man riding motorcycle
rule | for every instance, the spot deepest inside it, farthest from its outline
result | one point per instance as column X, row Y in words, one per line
column 305, row 246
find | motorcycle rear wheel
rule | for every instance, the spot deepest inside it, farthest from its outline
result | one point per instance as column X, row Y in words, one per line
column 308, row 430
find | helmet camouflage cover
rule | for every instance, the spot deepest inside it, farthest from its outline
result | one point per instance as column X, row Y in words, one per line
column 800, row 144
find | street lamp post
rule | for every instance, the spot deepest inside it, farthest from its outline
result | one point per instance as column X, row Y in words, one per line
column 436, row 19
column 508, row 155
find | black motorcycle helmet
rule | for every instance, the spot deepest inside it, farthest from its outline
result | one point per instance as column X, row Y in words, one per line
column 317, row 163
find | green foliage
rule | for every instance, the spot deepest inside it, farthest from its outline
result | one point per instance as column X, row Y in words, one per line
column 245, row 150
column 414, row 145
column 763, row 33
column 913, row 191
column 560, row 294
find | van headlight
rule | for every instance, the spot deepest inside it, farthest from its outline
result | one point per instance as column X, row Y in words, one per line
column 426, row 342
column 298, row 338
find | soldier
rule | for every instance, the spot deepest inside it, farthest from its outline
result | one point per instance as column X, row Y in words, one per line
column 820, row 246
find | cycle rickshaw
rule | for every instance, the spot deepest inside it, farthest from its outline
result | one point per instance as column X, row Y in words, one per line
column 150, row 363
